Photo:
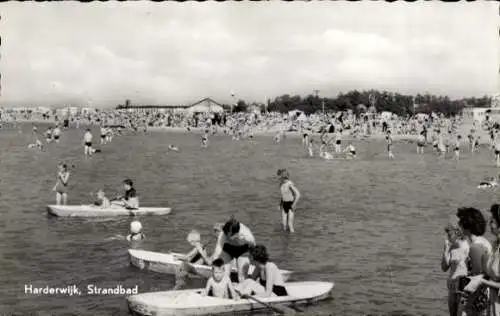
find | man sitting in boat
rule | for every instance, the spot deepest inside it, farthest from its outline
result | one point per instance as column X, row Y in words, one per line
column 102, row 200
column 219, row 284
column 135, row 232
column 130, row 199
column 266, row 279
column 234, row 241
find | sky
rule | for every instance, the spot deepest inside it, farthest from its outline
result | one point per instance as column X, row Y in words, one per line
column 99, row 54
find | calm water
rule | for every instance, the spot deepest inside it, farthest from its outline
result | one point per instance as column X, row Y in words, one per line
column 373, row 226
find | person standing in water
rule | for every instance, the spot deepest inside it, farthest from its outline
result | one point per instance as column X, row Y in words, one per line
column 61, row 187
column 388, row 139
column 56, row 133
column 457, row 147
column 497, row 152
column 420, row 143
column 87, row 141
column 290, row 195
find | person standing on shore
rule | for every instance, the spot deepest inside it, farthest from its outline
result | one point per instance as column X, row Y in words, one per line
column 87, row 143
column 290, row 195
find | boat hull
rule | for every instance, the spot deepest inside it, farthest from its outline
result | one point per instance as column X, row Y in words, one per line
column 96, row 211
column 167, row 264
column 192, row 303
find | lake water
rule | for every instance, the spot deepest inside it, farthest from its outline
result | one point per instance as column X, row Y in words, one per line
column 372, row 226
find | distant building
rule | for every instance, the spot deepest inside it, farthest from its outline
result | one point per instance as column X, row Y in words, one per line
column 206, row 105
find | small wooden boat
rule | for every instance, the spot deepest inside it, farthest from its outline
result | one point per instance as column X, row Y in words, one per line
column 168, row 264
column 192, row 303
column 97, row 211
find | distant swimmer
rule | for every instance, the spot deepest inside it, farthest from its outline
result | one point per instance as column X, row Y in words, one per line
column 136, row 233
column 388, row 139
column 48, row 135
column 173, row 148
column 305, row 140
column 310, row 148
column 457, row 147
column 103, row 135
column 290, row 195
column 56, row 134
column 490, row 182
column 497, row 153
column 61, row 187
column 38, row 145
column 87, row 143
column 35, row 129
column 338, row 142
column 351, row 150
column 421, row 143
column 204, row 140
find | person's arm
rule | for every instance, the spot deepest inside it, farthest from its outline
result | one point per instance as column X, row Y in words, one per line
column 233, row 293
column 218, row 247
column 269, row 281
column 296, row 195
column 445, row 260
column 207, row 288
column 203, row 253
column 106, row 203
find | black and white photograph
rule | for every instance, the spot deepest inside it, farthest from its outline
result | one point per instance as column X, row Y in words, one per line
column 250, row 158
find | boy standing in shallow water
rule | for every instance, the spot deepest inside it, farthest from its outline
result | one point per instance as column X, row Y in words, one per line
column 290, row 195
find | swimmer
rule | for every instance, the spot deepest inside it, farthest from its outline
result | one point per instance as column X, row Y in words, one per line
column 173, row 148
column 338, row 142
column 290, row 195
column 204, row 140
column 476, row 144
column 351, row 149
column 56, row 134
column 87, row 141
column 38, row 145
column 305, row 139
column 103, row 135
column 497, row 153
column 102, row 200
column 48, row 135
column 420, row 143
column 136, row 233
column 489, row 182
column 457, row 147
column 310, row 148
column 388, row 139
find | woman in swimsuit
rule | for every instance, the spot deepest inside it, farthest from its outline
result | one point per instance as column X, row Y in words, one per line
column 266, row 279
column 61, row 187
column 388, row 138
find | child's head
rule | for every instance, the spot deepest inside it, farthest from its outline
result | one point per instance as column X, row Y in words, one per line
column 194, row 237
column 283, row 174
column 454, row 232
column 127, row 183
column 218, row 269
column 135, row 227
column 259, row 254
column 100, row 194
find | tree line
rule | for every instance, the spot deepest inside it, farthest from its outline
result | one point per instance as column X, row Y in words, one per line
column 361, row 101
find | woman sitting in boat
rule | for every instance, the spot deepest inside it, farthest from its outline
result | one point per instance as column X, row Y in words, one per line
column 135, row 232
column 130, row 199
column 102, row 200
column 266, row 279
column 490, row 182
column 219, row 284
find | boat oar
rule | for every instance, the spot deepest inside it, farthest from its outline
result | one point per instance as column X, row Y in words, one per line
column 281, row 310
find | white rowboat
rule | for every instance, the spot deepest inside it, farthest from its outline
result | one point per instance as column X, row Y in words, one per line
column 97, row 211
column 192, row 303
column 168, row 264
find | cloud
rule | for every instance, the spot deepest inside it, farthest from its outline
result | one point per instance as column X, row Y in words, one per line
column 178, row 53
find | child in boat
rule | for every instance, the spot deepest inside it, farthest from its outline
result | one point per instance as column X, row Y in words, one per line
column 219, row 284
column 197, row 255
column 102, row 200
column 135, row 232
column 266, row 279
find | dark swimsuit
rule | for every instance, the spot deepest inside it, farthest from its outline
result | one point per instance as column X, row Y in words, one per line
column 135, row 234
column 279, row 290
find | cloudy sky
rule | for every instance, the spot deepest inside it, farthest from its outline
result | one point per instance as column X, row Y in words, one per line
column 172, row 53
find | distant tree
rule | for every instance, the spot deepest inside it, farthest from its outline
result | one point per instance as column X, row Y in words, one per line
column 241, row 106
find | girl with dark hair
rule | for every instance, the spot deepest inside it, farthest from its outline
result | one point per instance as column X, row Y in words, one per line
column 266, row 279
column 233, row 242
column 475, row 296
